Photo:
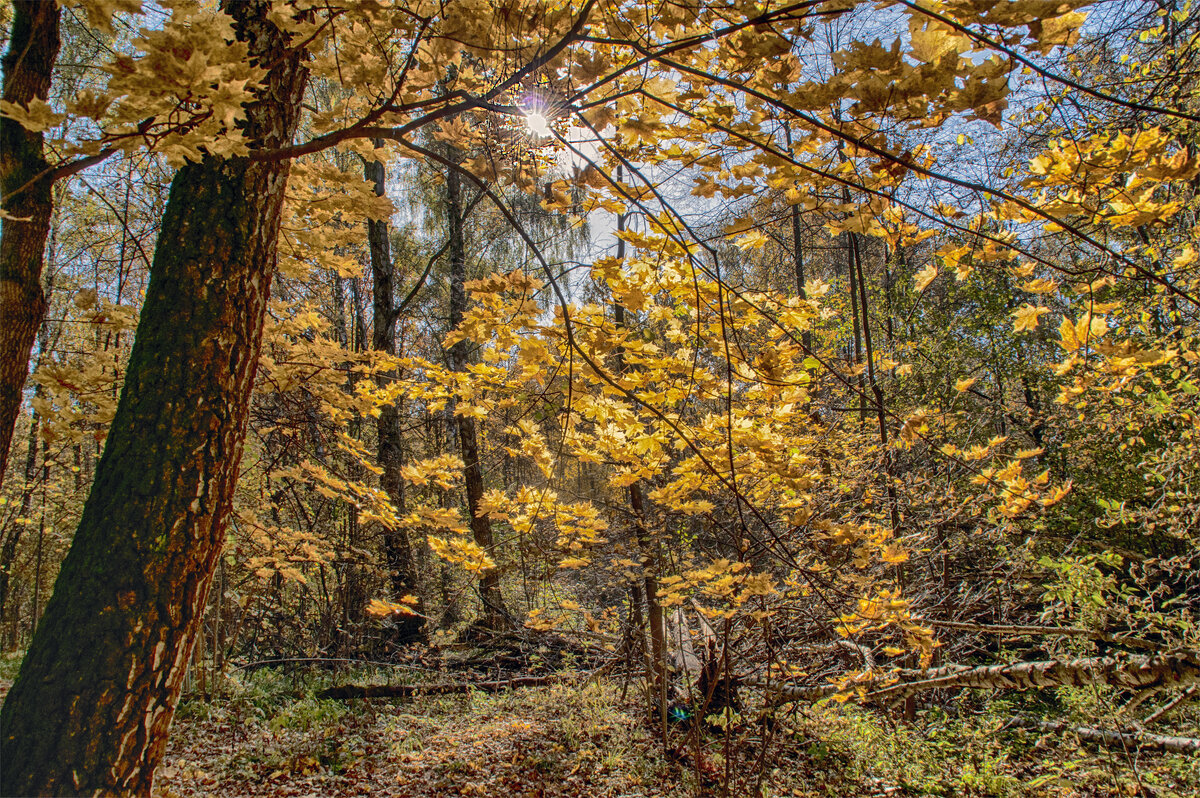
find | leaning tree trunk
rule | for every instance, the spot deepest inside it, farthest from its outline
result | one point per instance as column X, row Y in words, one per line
column 28, row 64
column 91, row 707
column 495, row 616
column 397, row 546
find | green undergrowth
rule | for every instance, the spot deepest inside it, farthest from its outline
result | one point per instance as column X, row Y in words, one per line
column 268, row 734
column 556, row 740
column 970, row 750
column 10, row 664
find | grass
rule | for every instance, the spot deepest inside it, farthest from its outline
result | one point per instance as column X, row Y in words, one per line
column 269, row 735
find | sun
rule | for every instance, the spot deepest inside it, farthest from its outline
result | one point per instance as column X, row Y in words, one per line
column 537, row 124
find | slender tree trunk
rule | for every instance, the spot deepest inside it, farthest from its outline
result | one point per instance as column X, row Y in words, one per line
column 888, row 328
column 397, row 546
column 35, row 613
column 12, row 537
column 90, row 710
column 877, row 394
column 654, row 613
column 219, row 629
column 852, row 268
column 344, row 625
column 647, row 590
column 798, row 252
column 26, row 202
column 853, row 260
column 495, row 616
column 347, row 634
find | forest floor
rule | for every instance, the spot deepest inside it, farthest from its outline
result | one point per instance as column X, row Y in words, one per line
column 268, row 735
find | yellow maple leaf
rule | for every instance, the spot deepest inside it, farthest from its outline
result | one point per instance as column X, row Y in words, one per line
column 924, row 277
column 36, row 117
column 1040, row 286
column 754, row 240
column 385, row 609
column 1027, row 317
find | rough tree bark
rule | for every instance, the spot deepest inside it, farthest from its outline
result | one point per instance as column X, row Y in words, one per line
column 494, row 614
column 28, row 64
column 397, row 546
column 90, row 709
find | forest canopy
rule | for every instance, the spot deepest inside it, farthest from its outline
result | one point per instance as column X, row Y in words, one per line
column 756, row 355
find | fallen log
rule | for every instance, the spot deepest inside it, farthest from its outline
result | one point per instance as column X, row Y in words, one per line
column 1174, row 669
column 1158, row 671
column 1130, row 739
column 345, row 692
column 1044, row 631
column 1167, row 707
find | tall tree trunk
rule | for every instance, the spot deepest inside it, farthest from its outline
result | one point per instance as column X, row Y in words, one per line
column 877, row 394
column 397, row 546
column 495, row 616
column 852, row 268
column 798, row 252
column 12, row 536
column 347, row 636
column 853, row 260
column 90, row 709
column 647, row 589
column 28, row 64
